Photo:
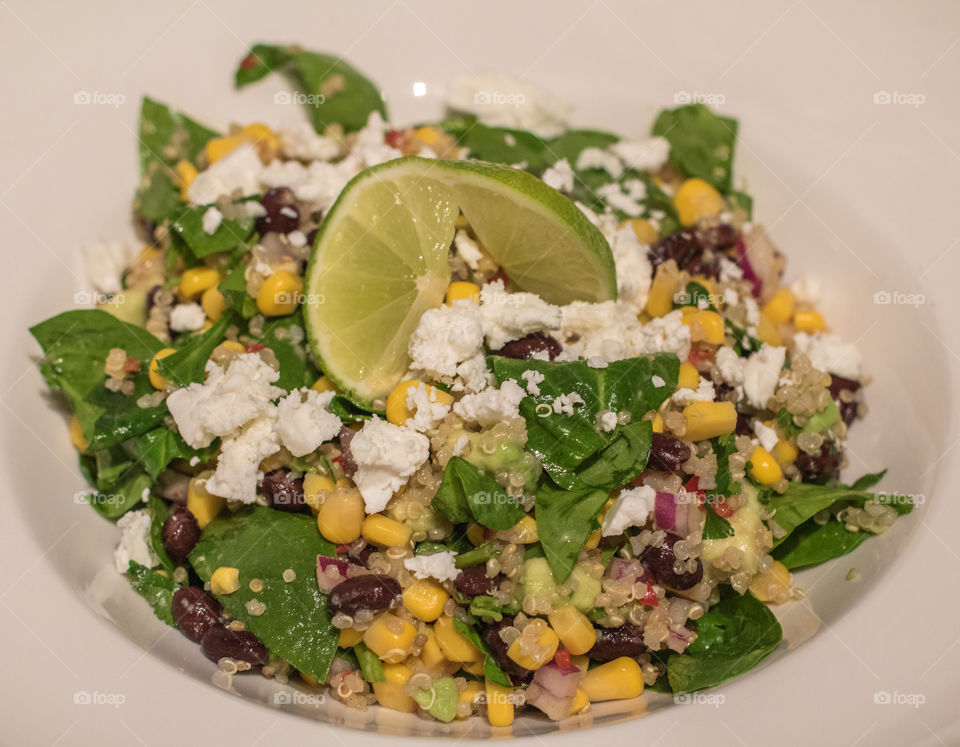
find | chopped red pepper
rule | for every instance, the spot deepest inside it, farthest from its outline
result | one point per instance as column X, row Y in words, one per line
column 701, row 356
column 502, row 276
column 249, row 62
column 343, row 549
column 721, row 507
column 650, row 598
column 562, row 659
column 394, row 138
column 255, row 347
column 131, row 365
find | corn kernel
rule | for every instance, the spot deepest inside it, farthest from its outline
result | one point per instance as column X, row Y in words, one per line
column 662, row 290
column 186, row 172
column 228, row 346
column 809, row 321
column 153, row 370
column 573, row 628
column 218, row 147
column 779, row 308
column 390, row 692
column 225, row 580
column 696, row 199
column 196, row 280
column 643, row 230
column 764, row 468
column 263, row 139
column 473, row 667
column 425, row 599
column 213, row 303
column 460, row 291
column 349, row 637
column 580, row 701
column 547, row 644
column 323, row 384
column 455, row 646
column 689, row 377
column 774, row 585
column 431, row 653
column 707, row 326
column 476, row 534
column 618, row 679
column 768, row 332
column 340, row 515
column 525, row 531
column 390, row 638
column 580, row 661
column 203, row 505
column 397, row 410
column 76, row 435
column 470, row 694
column 785, row 452
column 427, row 135
column 384, row 531
column 280, row 294
column 709, row 419
column 308, row 679
column 657, row 423
column 499, row 704
column 593, row 541
column 315, row 489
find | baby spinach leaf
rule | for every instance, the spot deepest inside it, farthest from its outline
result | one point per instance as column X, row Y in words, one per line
column 296, row 370
column 724, row 447
column 621, row 461
column 233, row 288
column 499, row 144
column 812, row 543
column 115, row 501
column 155, row 449
column 732, row 638
column 348, row 411
column 156, row 588
column 370, row 665
column 262, row 543
column 869, row 480
column 701, row 143
column 490, row 668
column 565, row 518
column 159, row 511
column 334, row 90
column 229, row 234
column 189, row 363
column 468, row 494
column 490, row 608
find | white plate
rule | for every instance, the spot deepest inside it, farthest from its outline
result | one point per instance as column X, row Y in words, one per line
column 861, row 191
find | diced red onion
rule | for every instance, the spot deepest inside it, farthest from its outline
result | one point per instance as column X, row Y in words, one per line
column 553, row 688
column 674, row 513
column 748, row 272
column 327, row 580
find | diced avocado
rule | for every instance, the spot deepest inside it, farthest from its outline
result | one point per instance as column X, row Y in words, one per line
column 537, row 578
column 440, row 700
column 507, row 456
column 129, row 306
column 586, row 589
column 748, row 527
column 822, row 421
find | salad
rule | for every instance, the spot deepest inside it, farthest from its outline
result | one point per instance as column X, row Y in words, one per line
column 463, row 418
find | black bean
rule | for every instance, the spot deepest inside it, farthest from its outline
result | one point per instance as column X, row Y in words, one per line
column 284, row 491
column 626, row 640
column 180, row 534
column 667, row 453
column 659, row 561
column 368, row 592
column 282, row 213
column 498, row 651
column 685, row 249
column 152, row 296
column 474, row 581
column 349, row 464
column 718, row 238
column 195, row 612
column 743, row 427
column 848, row 411
column 241, row 645
column 312, row 237
column 527, row 347
column 839, row 384
column 821, row 467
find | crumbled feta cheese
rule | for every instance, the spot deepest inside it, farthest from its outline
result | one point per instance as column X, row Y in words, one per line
column 320, row 182
column 753, row 311
column 297, row 238
column 626, row 197
column 460, row 447
column 211, row 220
column 559, row 176
column 468, row 249
column 304, row 421
column 666, row 334
column 302, row 142
column 766, row 435
column 730, row 271
column 510, row 316
column 502, row 101
column 730, row 297
column 238, row 467
column 439, row 565
column 610, row 330
column 427, row 410
column 703, row 393
column 446, row 337
column 608, row 420
column 229, row 398
column 598, row 158
column 472, row 375
column 634, row 272
column 808, row 289
column 630, row 509
column 643, row 155
column 829, row 353
column 596, row 362
column 532, row 378
column 187, row 317
column 729, row 366
column 387, row 456
column 657, row 381
column 104, row 264
column 238, row 170
column 565, row 404
column 370, row 147
column 761, row 372
column 134, row 543
column 491, row 406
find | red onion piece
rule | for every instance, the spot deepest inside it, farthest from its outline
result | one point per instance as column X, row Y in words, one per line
column 748, row 272
column 553, row 688
column 326, row 580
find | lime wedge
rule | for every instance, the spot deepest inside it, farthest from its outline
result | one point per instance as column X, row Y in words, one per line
column 380, row 259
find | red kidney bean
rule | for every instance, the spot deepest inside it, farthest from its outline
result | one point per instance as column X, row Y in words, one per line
column 527, row 347
column 242, row 645
column 626, row 640
column 667, row 453
column 282, row 213
column 848, row 410
column 368, row 592
column 498, row 651
column 173, row 486
column 284, row 491
column 659, row 561
column 685, row 249
column 180, row 534
column 195, row 612
column 474, row 581
column 718, row 238
column 821, row 467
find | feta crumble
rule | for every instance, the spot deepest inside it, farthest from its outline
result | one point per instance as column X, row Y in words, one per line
column 598, row 158
column 187, row 317
column 608, row 421
column 387, row 456
column 134, row 543
column 468, row 249
column 104, row 264
column 657, row 381
column 510, row 316
column 729, row 366
column 559, row 176
column 211, row 220
column 427, row 410
column 439, row 565
column 238, row 467
column 643, row 155
column 304, row 421
column 761, row 372
column 565, row 404
column 502, row 101
column 766, row 435
column 491, row 406
column 445, row 338
column 532, row 378
column 703, row 393
column 829, row 353
column 238, row 170
column 630, row 509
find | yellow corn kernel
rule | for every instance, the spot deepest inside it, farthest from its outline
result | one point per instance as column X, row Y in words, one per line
column 425, row 599
column 499, row 704
column 218, row 147
column 203, row 505
column 280, row 294
column 213, row 303
column 196, row 280
column 809, row 321
column 709, row 419
column 774, row 585
column 473, row 667
column 785, row 452
column 580, row 701
column 455, row 646
column 764, row 468
column 615, row 680
column 643, row 230
column 470, row 694
column 323, row 384
column 707, row 326
column 573, row 628
column 689, row 377
column 231, row 346
column 349, row 637
column 340, row 514
column 658, row 423
column 779, row 308
column 696, row 199
column 390, row 692
column 593, row 540
column 76, row 435
column 390, row 638
column 525, row 531
column 548, row 644
column 460, row 291
column 153, row 370
column 476, row 534
column 427, row 135
column 263, row 139
column 768, row 332
column 315, row 489
column 431, row 654
column 308, row 679
column 662, row 289
column 384, row 531
column 186, row 172
column 397, row 410
column 225, row 580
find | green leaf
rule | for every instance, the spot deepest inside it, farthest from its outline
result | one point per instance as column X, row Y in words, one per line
column 262, row 543
column 812, row 543
column 370, row 664
column 732, row 638
column 467, row 494
column 335, row 92
column 296, row 370
column 115, row 501
column 155, row 449
column 156, row 588
column 229, row 234
column 348, row 411
column 701, row 143
column 490, row 668
column 499, row 144
column 565, row 518
column 159, row 511
column 621, row 461
column 724, row 447
column 869, row 480
column 490, row 608
column 188, row 365
column 715, row 526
